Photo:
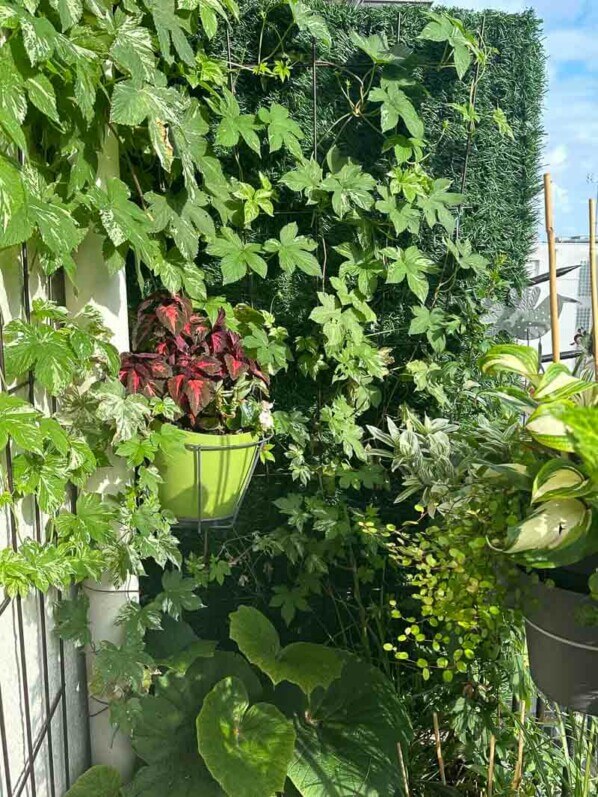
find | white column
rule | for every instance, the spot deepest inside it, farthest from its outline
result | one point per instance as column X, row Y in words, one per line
column 108, row 293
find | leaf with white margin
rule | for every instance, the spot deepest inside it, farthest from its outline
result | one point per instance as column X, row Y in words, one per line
column 247, row 748
column 549, row 430
column 512, row 358
column 303, row 663
column 557, row 384
column 559, row 479
column 556, row 524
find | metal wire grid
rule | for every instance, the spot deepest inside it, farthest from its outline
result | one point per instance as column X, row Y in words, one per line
column 15, row 784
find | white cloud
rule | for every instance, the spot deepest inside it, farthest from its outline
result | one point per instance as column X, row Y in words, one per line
column 557, row 157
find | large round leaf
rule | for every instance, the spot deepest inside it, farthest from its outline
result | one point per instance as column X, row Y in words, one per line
column 246, row 748
column 99, row 781
column 347, row 738
column 303, row 663
column 547, row 428
column 171, row 779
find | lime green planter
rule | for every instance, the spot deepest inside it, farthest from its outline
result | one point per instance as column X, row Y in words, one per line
column 215, row 477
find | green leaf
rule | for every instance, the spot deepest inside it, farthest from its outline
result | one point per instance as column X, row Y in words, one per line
column 294, row 251
column 348, row 736
column 314, row 24
column 559, row 479
column 92, row 521
column 546, row 426
column 402, row 215
column 557, row 384
column 582, row 426
column 396, row 106
column 246, row 748
column 71, row 620
column 235, row 125
column 170, row 32
column 282, row 130
column 303, row 663
column 432, row 323
column 19, row 421
column 512, row 358
column 236, row 256
column 99, row 781
column 350, row 186
column 178, row 594
column 132, row 48
column 463, row 252
column 556, row 525
column 412, row 264
column 129, row 414
column 435, row 205
column 41, row 94
column 306, row 178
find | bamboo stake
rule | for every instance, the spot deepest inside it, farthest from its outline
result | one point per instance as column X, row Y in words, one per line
column 594, row 284
column 491, row 757
column 439, row 748
column 517, row 777
column 554, row 302
column 403, row 769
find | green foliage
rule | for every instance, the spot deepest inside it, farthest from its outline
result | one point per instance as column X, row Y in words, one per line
column 99, row 781
column 212, row 727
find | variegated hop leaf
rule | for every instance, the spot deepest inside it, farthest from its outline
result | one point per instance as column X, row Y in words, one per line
column 555, row 525
column 512, row 358
column 559, row 479
column 558, row 384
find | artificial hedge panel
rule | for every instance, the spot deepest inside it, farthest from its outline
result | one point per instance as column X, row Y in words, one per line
column 501, row 175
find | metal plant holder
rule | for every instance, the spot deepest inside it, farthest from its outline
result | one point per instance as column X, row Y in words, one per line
column 202, row 524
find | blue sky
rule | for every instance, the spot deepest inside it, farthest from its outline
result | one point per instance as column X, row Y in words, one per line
column 571, row 113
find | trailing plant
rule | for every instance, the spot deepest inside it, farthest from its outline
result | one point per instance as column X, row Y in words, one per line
column 203, row 367
column 72, row 357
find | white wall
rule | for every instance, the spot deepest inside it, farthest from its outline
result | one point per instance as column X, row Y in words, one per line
column 569, row 252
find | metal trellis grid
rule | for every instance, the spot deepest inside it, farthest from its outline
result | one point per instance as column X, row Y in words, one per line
column 43, row 768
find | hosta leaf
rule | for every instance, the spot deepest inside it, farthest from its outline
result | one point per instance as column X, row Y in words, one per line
column 99, row 781
column 559, row 479
column 582, row 427
column 348, row 736
column 546, row 426
column 557, row 384
column 247, row 748
column 294, row 251
column 512, row 358
column 303, row 663
column 556, row 524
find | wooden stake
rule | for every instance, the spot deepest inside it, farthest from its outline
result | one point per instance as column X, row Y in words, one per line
column 439, row 748
column 403, row 769
column 518, row 776
column 491, row 757
column 554, row 301
column 594, row 284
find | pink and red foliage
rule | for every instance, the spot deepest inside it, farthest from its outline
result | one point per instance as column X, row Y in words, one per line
column 187, row 358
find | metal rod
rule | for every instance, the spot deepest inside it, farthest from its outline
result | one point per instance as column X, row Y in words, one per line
column 594, row 284
column 554, row 301
column 439, row 755
column 5, row 757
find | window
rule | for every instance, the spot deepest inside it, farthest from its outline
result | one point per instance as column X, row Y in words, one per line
column 583, row 319
column 584, row 279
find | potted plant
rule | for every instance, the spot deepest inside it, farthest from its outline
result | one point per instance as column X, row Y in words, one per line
column 221, row 393
column 557, row 533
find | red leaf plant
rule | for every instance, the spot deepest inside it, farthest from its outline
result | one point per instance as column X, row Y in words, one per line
column 202, row 366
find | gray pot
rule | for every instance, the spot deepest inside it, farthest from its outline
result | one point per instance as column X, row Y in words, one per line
column 563, row 654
